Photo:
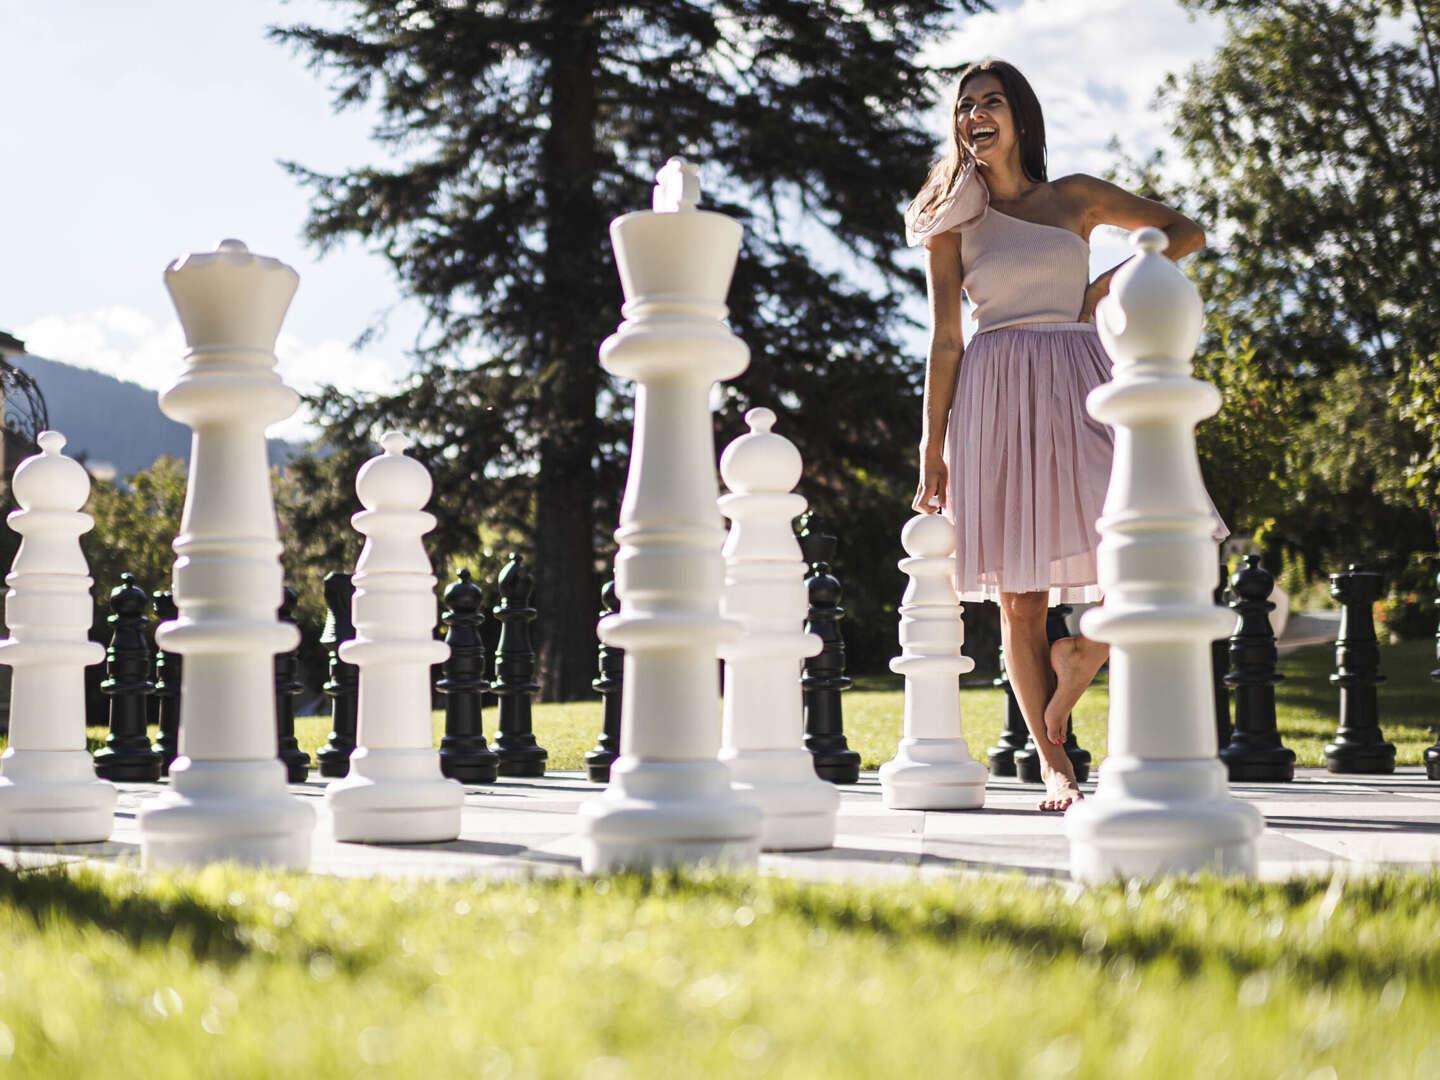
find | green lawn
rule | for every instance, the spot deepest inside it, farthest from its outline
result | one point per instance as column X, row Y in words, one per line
column 227, row 973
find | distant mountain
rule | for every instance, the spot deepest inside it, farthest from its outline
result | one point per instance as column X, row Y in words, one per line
column 108, row 419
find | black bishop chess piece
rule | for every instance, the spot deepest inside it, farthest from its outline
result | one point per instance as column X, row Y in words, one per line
column 1432, row 753
column 169, row 668
column 1254, row 752
column 1359, row 745
column 823, row 677
column 287, row 685
column 514, row 683
column 1027, row 760
column 1219, row 666
column 464, row 756
column 610, row 685
column 343, row 685
column 127, row 754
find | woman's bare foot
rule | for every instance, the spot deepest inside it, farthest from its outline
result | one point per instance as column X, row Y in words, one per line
column 1075, row 661
column 1060, row 791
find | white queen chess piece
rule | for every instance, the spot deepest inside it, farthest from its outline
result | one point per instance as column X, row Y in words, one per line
column 395, row 792
column 228, row 797
column 49, row 793
column 1162, row 804
column 763, row 718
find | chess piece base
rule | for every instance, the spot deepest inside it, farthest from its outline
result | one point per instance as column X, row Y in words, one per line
column 218, row 811
column 467, row 759
column 53, row 797
column 598, row 763
column 799, row 807
column 526, row 760
column 333, row 761
column 1432, row 762
column 1360, row 758
column 1001, row 760
column 1258, row 764
column 395, row 797
column 129, row 761
column 833, row 759
column 1027, row 764
column 296, row 761
column 1150, row 818
column 933, row 774
column 658, row 814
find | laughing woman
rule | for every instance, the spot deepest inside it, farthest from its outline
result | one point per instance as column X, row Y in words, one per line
column 1008, row 448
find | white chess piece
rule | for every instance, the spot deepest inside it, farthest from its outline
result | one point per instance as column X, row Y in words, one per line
column 395, row 792
column 228, row 797
column 932, row 769
column 670, row 801
column 49, row 793
column 1162, row 804
column 763, row 718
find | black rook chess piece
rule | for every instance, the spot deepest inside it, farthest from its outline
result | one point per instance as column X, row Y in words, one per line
column 127, row 753
column 1219, row 666
column 823, row 677
column 1015, row 734
column 514, row 682
column 168, row 669
column 287, row 685
column 343, row 685
column 1027, row 760
column 610, row 685
column 463, row 753
column 1359, row 746
column 1254, row 751
column 1432, row 753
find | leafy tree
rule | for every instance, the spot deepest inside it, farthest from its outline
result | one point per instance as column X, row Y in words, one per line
column 520, row 131
column 135, row 525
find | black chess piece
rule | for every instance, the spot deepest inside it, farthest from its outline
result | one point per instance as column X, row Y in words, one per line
column 1359, row 745
column 1432, row 753
column 1254, row 752
column 1015, row 735
column 169, row 667
column 1027, row 760
column 823, row 677
column 127, row 753
column 287, row 685
column 343, row 685
column 464, row 756
column 1219, row 666
column 610, row 685
column 514, row 683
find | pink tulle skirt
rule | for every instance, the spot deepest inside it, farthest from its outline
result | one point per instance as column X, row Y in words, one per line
column 1028, row 464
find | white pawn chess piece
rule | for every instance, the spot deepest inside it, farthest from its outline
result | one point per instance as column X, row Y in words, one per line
column 395, row 792
column 670, row 801
column 932, row 769
column 1162, row 804
column 49, row 793
column 228, row 798
column 763, row 725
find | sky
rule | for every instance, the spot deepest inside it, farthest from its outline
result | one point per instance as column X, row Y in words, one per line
column 131, row 133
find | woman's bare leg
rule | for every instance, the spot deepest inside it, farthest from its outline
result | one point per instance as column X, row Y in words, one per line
column 1074, row 662
column 1027, row 658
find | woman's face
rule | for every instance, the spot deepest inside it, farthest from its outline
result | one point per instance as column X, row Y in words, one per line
column 983, row 119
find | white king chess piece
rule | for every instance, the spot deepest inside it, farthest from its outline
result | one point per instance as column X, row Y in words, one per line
column 49, row 793
column 1162, row 804
column 764, row 722
column 395, row 792
column 670, row 801
column 932, row 769
column 228, row 797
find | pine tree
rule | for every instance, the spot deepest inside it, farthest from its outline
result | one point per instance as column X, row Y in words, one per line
column 523, row 129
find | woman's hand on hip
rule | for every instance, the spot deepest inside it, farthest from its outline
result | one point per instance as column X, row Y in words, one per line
column 934, row 480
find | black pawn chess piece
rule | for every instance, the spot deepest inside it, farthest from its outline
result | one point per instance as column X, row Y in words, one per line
column 823, row 677
column 1359, row 745
column 514, row 683
column 1432, row 753
column 463, row 753
column 1254, row 752
column 287, row 685
column 343, row 685
column 1015, row 735
column 168, row 669
column 127, row 753
column 1219, row 666
column 610, row 685
column 1027, row 761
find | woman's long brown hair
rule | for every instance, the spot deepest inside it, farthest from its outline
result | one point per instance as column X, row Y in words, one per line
column 1029, row 122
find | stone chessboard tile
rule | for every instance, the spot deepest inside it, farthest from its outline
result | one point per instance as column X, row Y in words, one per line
column 517, row 828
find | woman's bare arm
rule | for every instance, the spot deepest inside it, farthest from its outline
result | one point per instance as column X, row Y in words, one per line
column 942, row 367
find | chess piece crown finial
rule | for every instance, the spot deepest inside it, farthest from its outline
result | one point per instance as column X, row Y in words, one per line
column 761, row 460
column 677, row 187
column 928, row 536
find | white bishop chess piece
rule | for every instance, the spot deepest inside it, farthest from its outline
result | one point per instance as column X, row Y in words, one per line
column 1162, row 804
column 932, row 769
column 49, row 793
column 763, row 726
column 395, row 791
